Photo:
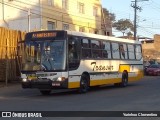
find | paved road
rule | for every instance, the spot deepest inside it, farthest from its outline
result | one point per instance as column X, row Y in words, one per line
column 139, row 96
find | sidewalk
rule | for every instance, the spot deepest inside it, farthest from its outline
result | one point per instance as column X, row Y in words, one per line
column 3, row 84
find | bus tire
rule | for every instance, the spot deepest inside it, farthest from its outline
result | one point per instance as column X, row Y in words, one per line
column 117, row 84
column 84, row 84
column 45, row 92
column 124, row 82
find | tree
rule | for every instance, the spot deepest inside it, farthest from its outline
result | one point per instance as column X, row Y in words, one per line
column 107, row 19
column 124, row 25
column 129, row 34
column 108, row 15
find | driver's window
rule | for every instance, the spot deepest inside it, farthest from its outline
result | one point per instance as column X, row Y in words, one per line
column 53, row 55
column 47, row 51
column 46, row 57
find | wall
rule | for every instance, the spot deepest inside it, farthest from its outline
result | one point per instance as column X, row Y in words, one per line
column 152, row 50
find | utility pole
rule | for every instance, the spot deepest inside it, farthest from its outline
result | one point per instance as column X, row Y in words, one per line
column 104, row 21
column 29, row 20
column 135, row 19
column 135, row 15
column 3, row 9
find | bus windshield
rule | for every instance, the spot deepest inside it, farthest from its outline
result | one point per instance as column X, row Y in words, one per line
column 44, row 55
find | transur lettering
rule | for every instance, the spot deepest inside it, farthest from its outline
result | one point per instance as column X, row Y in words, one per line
column 101, row 67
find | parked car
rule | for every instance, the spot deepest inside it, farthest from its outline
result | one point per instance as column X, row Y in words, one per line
column 147, row 64
column 153, row 69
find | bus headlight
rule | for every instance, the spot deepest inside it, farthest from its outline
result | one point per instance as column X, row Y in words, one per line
column 24, row 80
column 61, row 78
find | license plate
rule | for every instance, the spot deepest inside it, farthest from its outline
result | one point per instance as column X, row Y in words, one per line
column 55, row 84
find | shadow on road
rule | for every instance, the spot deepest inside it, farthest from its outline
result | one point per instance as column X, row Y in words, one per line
column 15, row 90
column 92, row 90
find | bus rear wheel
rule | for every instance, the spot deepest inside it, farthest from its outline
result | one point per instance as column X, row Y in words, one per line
column 45, row 92
column 84, row 84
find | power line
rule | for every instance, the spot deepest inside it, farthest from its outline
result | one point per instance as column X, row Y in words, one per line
column 156, row 4
column 147, row 31
column 150, row 27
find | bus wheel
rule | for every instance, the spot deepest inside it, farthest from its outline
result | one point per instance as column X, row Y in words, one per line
column 84, row 84
column 117, row 84
column 45, row 92
column 124, row 82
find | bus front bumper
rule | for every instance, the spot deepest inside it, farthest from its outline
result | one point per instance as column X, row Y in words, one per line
column 45, row 84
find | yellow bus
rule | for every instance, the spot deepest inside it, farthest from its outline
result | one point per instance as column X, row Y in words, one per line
column 60, row 59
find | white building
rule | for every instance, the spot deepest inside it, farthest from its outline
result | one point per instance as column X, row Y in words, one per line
column 30, row 15
column 15, row 14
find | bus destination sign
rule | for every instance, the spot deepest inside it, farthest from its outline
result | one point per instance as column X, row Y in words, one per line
column 42, row 35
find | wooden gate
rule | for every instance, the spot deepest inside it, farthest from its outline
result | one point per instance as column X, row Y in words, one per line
column 9, row 69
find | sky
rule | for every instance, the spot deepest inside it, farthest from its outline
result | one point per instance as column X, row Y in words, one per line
column 148, row 19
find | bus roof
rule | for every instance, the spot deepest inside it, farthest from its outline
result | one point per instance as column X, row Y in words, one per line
column 83, row 34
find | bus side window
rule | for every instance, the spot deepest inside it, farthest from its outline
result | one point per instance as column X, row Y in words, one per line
column 131, row 51
column 125, row 51
column 106, row 50
column 86, row 53
column 115, row 51
column 138, row 52
column 86, row 50
column 122, row 51
column 96, row 50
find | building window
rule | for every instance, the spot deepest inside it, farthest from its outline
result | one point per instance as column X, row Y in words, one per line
column 81, row 29
column 95, row 31
column 108, row 33
column 51, row 25
column 81, row 7
column 65, row 26
column 65, row 4
column 95, row 11
column 50, row 2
